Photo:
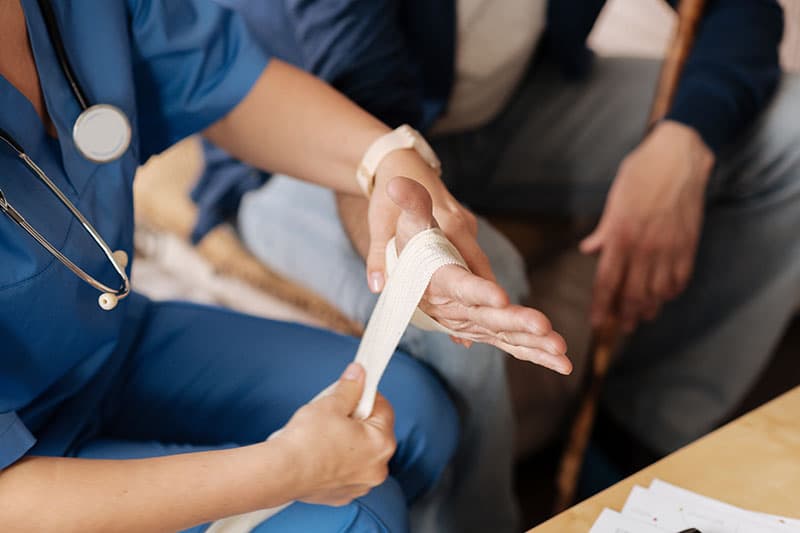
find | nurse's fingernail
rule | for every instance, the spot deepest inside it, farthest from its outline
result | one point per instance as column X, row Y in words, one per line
column 352, row 372
column 376, row 282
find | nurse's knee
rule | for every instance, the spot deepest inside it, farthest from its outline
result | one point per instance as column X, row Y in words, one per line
column 426, row 424
column 383, row 510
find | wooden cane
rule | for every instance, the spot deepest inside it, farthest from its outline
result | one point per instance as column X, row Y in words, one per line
column 607, row 338
column 602, row 345
column 689, row 14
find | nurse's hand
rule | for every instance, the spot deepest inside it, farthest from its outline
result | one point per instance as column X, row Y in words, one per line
column 470, row 304
column 338, row 458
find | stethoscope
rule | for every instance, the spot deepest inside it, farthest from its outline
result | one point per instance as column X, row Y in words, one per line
column 101, row 134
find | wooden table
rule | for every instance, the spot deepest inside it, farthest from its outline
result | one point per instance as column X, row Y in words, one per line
column 753, row 462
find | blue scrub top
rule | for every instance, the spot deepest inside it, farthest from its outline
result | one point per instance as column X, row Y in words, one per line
column 174, row 68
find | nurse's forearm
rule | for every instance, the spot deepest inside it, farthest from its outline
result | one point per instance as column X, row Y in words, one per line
column 161, row 494
column 292, row 123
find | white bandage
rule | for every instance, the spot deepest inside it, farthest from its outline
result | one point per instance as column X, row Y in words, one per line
column 408, row 277
column 420, row 319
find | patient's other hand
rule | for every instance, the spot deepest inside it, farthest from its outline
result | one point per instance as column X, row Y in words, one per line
column 475, row 307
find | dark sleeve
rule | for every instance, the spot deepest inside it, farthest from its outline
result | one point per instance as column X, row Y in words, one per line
column 732, row 71
column 359, row 48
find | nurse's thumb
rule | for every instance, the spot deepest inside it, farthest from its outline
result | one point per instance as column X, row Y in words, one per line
column 347, row 391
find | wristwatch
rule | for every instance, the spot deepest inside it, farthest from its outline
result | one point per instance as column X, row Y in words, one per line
column 403, row 138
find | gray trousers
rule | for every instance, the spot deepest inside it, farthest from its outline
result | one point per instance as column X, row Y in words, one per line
column 555, row 149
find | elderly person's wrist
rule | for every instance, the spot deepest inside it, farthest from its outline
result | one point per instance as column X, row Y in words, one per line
column 679, row 138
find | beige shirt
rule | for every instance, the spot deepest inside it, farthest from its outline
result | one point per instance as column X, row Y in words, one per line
column 494, row 44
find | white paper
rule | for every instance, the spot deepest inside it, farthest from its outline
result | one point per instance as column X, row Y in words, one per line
column 668, row 490
column 613, row 522
column 666, row 508
column 680, row 514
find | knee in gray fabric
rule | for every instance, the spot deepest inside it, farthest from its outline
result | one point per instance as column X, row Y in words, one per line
column 507, row 263
column 764, row 165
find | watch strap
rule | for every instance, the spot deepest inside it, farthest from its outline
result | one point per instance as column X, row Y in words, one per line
column 403, row 138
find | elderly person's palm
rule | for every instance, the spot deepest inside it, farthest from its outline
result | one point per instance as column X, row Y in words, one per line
column 478, row 309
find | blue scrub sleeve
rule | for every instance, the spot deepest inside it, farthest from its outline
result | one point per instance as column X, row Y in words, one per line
column 15, row 439
column 193, row 62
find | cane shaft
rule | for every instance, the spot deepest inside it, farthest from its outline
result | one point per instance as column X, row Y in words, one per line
column 606, row 339
column 603, row 346
column 689, row 14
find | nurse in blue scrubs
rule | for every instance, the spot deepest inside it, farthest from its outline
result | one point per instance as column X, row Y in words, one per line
column 146, row 380
column 118, row 413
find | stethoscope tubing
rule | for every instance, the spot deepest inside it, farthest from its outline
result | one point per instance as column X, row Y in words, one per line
column 17, row 217
column 57, row 41
column 109, row 296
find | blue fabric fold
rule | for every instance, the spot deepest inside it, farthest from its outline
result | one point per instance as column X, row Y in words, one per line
column 15, row 439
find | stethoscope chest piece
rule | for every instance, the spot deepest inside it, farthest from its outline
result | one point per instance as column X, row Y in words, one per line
column 102, row 133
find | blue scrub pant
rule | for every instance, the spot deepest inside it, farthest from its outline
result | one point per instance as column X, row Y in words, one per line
column 201, row 378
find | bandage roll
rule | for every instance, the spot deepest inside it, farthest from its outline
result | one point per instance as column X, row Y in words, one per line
column 408, row 277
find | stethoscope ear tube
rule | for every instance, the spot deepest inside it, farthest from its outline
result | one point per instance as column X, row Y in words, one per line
column 9, row 140
column 15, row 215
column 108, row 300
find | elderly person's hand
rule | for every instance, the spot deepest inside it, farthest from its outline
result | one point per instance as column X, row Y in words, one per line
column 474, row 306
column 455, row 220
column 648, row 235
